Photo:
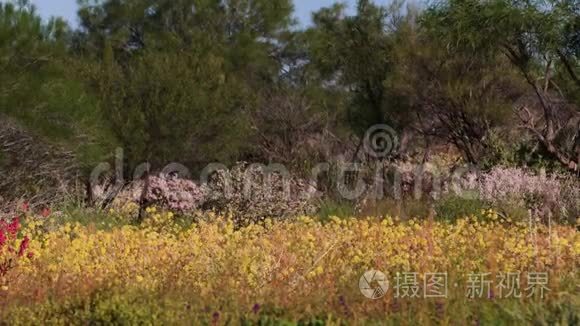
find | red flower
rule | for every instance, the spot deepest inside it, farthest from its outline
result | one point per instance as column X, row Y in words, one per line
column 45, row 212
column 2, row 239
column 25, row 207
column 14, row 226
column 23, row 246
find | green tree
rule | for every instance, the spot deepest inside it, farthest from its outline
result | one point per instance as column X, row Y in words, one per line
column 540, row 40
column 459, row 94
column 39, row 89
column 175, row 107
column 354, row 54
column 179, row 79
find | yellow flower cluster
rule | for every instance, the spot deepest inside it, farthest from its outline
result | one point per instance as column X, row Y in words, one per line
column 302, row 263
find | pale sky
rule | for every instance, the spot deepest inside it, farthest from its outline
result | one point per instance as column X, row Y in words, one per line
column 67, row 8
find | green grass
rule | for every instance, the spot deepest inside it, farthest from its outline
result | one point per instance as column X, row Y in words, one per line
column 330, row 208
column 142, row 308
column 453, row 207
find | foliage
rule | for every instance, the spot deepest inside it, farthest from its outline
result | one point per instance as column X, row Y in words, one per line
column 252, row 193
column 356, row 53
column 330, row 208
column 460, row 94
column 536, row 38
column 203, row 81
column 143, row 309
column 292, row 129
column 249, row 26
column 178, row 195
column 197, row 82
column 295, row 271
column 525, row 152
column 12, row 249
column 452, row 207
column 545, row 195
column 42, row 90
column 178, row 78
column 73, row 213
column 175, row 107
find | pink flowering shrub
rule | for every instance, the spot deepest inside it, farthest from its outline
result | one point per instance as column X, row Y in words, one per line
column 175, row 194
column 244, row 192
column 542, row 194
column 249, row 194
column 167, row 192
column 570, row 196
column 517, row 184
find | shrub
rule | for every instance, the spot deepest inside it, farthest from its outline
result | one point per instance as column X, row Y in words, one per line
column 451, row 208
column 12, row 249
column 250, row 194
column 405, row 209
column 167, row 192
column 330, row 208
column 502, row 184
column 544, row 195
column 570, row 198
column 179, row 195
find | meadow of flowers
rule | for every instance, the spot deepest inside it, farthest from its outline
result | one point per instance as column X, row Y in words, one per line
column 281, row 272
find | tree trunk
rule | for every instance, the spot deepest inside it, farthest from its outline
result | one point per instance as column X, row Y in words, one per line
column 143, row 200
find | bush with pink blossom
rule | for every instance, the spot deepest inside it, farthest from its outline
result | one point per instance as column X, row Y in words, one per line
column 175, row 194
column 545, row 195
column 167, row 192
column 250, row 194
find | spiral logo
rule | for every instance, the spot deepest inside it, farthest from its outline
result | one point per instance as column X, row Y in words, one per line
column 380, row 141
column 373, row 284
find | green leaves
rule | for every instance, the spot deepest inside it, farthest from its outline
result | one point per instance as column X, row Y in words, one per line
column 354, row 53
column 40, row 90
column 178, row 78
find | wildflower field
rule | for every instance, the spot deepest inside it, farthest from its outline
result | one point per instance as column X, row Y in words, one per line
column 301, row 271
column 282, row 162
